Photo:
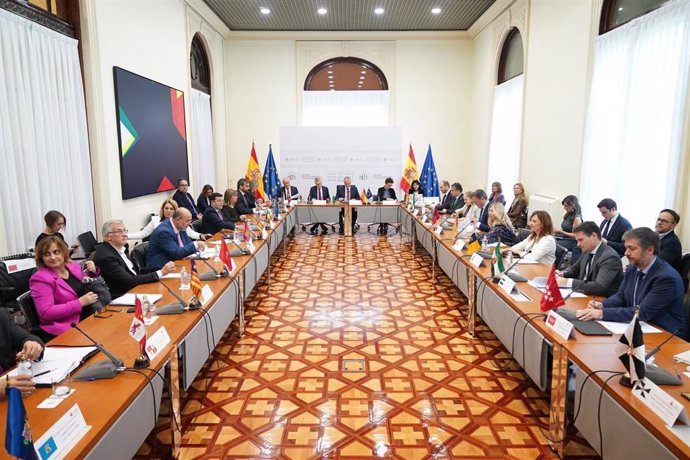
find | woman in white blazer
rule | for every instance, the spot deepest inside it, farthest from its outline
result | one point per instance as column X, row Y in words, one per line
column 540, row 245
column 167, row 209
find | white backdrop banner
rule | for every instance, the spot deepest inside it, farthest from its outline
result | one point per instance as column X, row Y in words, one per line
column 367, row 155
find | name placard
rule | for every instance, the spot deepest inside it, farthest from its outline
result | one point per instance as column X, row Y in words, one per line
column 157, row 342
column 660, row 402
column 477, row 260
column 206, row 294
column 319, row 202
column 507, row 284
column 63, row 435
column 459, row 245
column 559, row 325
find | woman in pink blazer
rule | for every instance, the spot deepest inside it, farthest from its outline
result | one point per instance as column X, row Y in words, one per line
column 56, row 287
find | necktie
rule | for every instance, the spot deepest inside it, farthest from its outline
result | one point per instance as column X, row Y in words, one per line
column 220, row 214
column 179, row 240
column 639, row 276
column 191, row 203
column 318, row 194
column 588, row 267
column 605, row 233
column 347, row 194
column 244, row 197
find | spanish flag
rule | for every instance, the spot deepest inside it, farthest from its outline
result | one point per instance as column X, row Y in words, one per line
column 254, row 173
column 363, row 196
column 410, row 172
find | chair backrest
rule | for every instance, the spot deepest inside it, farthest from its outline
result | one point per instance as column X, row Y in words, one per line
column 88, row 242
column 522, row 234
column 138, row 256
column 196, row 226
column 560, row 255
column 685, row 269
column 27, row 306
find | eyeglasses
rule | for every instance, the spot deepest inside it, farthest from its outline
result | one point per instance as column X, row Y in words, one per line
column 664, row 221
column 122, row 230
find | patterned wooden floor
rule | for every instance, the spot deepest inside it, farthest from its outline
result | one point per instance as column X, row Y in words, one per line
column 356, row 354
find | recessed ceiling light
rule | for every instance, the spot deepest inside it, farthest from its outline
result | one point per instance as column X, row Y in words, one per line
column 330, row 71
column 436, row 10
column 378, row 11
column 364, row 71
column 265, row 10
column 322, row 11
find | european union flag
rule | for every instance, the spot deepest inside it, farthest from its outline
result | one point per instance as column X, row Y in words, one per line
column 18, row 441
column 271, row 179
column 428, row 180
column 369, row 194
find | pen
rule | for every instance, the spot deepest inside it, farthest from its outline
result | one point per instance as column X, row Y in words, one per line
column 44, row 373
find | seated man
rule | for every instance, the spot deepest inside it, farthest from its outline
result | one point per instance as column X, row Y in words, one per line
column 482, row 202
column 613, row 226
column 386, row 193
column 213, row 220
column 184, row 199
column 455, row 202
column 246, row 203
column 649, row 282
column 288, row 192
column 445, row 196
column 671, row 250
column 169, row 241
column 345, row 193
column 600, row 270
column 319, row 192
column 17, row 344
column 116, row 268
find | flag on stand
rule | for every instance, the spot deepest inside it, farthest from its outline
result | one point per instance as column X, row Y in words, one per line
column 428, row 180
column 473, row 247
column 410, row 172
column 499, row 258
column 138, row 329
column 254, row 173
column 631, row 350
column 369, row 194
column 247, row 232
column 225, row 257
column 18, row 441
column 435, row 216
column 551, row 298
column 363, row 196
column 195, row 282
column 271, row 179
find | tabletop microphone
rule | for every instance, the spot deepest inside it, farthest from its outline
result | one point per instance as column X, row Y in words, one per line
column 173, row 308
column 656, row 349
column 518, row 278
column 572, row 291
column 208, row 276
column 101, row 369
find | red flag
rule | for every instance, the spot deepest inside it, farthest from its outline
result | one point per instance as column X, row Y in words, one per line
column 410, row 172
column 138, row 329
column 551, row 298
column 195, row 282
column 225, row 257
column 434, row 216
column 247, row 232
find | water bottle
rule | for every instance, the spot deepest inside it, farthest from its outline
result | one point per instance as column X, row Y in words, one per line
column 145, row 308
column 152, row 309
column 485, row 244
column 24, row 367
column 185, row 279
column 509, row 258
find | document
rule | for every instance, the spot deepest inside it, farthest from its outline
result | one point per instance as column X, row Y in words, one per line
column 619, row 328
column 57, row 362
column 130, row 299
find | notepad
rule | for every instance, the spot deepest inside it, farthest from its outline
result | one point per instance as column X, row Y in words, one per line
column 130, row 299
column 57, row 361
column 619, row 328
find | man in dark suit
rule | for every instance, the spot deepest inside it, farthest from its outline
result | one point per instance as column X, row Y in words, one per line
column 319, row 192
column 347, row 192
column 385, row 193
column 649, row 282
column 169, row 241
column 600, row 270
column 246, row 203
column 184, row 199
column 116, row 268
column 454, row 202
column 445, row 196
column 671, row 250
column 16, row 344
column 613, row 226
column 288, row 192
column 213, row 221
column 483, row 203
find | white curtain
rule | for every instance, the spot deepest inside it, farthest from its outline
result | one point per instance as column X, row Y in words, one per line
column 202, row 142
column 506, row 134
column 636, row 114
column 345, row 108
column 44, row 147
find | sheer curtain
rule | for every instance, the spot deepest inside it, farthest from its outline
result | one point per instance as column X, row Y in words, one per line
column 202, row 142
column 43, row 139
column 345, row 108
column 634, row 129
column 506, row 132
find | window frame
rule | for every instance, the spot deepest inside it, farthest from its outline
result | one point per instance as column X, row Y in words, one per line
column 503, row 59
column 608, row 13
column 345, row 60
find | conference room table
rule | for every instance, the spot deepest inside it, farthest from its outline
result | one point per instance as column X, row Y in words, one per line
column 374, row 213
column 629, row 428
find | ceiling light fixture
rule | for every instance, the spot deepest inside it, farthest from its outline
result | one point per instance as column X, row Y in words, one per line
column 436, row 10
column 264, row 10
column 378, row 11
column 322, row 11
column 364, row 71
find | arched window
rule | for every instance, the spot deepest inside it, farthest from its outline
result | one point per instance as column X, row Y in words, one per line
column 198, row 64
column 615, row 13
column 506, row 123
column 345, row 91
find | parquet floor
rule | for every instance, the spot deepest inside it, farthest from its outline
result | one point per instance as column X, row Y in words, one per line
column 356, row 354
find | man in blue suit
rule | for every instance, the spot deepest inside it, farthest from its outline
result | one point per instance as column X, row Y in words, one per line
column 184, row 200
column 347, row 192
column 246, row 203
column 169, row 241
column 288, row 192
column 213, row 220
column 649, row 282
column 613, row 226
column 319, row 192
column 483, row 203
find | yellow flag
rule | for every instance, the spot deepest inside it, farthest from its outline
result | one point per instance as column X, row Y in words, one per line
column 473, row 247
column 254, row 173
column 410, row 172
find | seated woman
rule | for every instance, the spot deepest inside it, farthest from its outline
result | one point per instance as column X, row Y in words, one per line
column 57, row 288
column 415, row 187
column 55, row 221
column 571, row 219
column 203, row 202
column 230, row 212
column 501, row 228
column 497, row 194
column 518, row 208
column 167, row 209
column 470, row 210
column 540, row 245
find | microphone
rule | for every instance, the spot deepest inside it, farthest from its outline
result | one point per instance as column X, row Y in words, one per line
column 172, row 308
column 656, row 349
column 208, row 276
column 243, row 252
column 518, row 278
column 469, row 222
column 575, row 289
column 100, row 369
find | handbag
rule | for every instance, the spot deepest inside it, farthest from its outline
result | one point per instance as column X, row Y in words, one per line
column 97, row 286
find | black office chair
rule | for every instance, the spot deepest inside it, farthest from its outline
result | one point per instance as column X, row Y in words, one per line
column 88, row 243
column 28, row 308
column 560, row 255
column 196, row 226
column 685, row 270
column 138, row 256
column 523, row 234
